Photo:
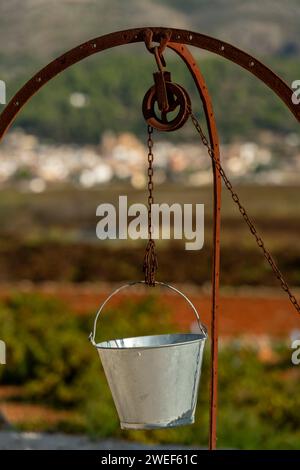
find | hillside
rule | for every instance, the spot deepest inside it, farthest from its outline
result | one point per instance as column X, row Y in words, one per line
column 32, row 32
column 45, row 28
column 113, row 86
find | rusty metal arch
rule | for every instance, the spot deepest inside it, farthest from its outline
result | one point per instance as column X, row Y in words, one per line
column 177, row 41
column 135, row 35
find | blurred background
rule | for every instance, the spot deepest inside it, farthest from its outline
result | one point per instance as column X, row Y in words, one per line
column 81, row 141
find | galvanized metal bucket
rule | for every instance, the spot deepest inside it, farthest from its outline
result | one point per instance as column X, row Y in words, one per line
column 153, row 379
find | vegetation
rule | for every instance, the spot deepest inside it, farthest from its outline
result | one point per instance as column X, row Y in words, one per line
column 114, row 86
column 50, row 358
column 40, row 243
column 82, row 262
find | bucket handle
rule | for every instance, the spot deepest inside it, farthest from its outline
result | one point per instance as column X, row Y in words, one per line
column 92, row 335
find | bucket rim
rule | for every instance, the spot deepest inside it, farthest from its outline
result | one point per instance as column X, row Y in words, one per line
column 198, row 337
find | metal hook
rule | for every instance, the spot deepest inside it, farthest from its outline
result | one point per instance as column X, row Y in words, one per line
column 160, row 61
column 165, row 38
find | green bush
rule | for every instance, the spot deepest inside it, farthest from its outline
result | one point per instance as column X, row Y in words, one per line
column 50, row 357
column 48, row 351
column 45, row 349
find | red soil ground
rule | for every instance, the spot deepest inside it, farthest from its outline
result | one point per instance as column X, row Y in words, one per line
column 244, row 312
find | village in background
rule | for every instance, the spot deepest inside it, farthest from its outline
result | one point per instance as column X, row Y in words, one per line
column 29, row 164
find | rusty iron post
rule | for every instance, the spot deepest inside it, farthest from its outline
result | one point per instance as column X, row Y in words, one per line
column 189, row 60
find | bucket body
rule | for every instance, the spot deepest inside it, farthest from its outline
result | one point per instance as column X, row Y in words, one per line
column 154, row 379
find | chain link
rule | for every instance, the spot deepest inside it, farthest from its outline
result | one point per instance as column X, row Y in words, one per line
column 244, row 214
column 150, row 260
column 150, row 178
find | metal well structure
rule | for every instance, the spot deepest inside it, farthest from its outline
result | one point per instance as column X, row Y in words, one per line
column 177, row 40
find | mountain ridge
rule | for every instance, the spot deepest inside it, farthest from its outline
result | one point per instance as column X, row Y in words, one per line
column 47, row 28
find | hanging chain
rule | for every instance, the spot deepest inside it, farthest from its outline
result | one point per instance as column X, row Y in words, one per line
column 150, row 178
column 150, row 260
column 244, row 214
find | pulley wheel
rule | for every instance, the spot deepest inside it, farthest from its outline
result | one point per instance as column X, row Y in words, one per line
column 178, row 99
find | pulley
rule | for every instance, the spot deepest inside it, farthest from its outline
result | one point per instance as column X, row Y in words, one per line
column 163, row 120
column 166, row 104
